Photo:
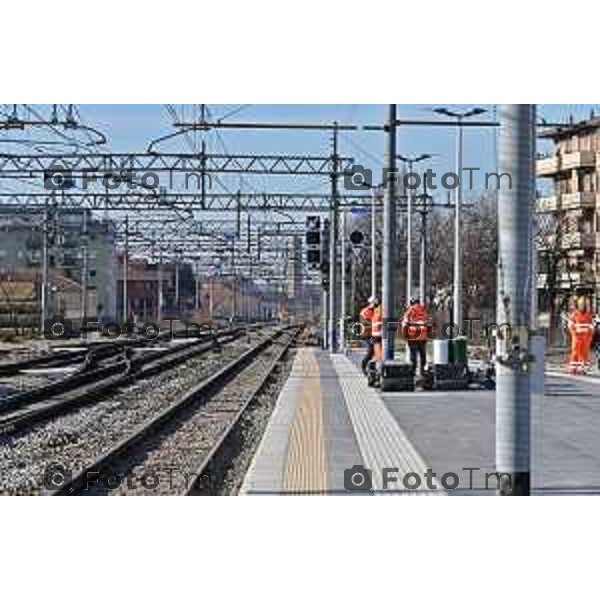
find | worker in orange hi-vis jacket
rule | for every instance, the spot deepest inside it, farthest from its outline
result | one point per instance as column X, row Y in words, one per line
column 372, row 312
column 581, row 328
column 414, row 330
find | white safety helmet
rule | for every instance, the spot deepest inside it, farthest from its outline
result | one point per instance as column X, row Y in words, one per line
column 373, row 300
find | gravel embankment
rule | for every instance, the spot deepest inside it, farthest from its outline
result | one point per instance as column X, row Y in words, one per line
column 229, row 469
column 75, row 439
column 165, row 464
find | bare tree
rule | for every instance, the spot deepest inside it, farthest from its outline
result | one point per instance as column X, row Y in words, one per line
column 554, row 262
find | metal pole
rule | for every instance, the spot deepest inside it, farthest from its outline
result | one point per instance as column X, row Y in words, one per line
column 59, row 257
column 457, row 241
column 353, row 285
column 423, row 257
column 203, row 175
column 251, row 296
column 374, row 243
column 333, row 242
column 245, row 297
column 45, row 269
column 238, row 222
column 84, row 270
column 409, row 256
column 389, row 235
column 513, row 413
column 210, row 297
column 343, row 307
column 249, row 240
column 234, row 283
column 325, row 320
column 197, row 291
column 160, row 288
column 177, row 284
column 534, row 275
column 126, row 274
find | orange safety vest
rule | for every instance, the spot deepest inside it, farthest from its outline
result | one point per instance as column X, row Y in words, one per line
column 368, row 313
column 581, row 322
column 414, row 323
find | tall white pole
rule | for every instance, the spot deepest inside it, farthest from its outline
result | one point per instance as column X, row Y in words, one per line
column 177, row 284
column 211, row 298
column 126, row 274
column 84, row 270
column 45, row 268
column 160, row 288
column 342, row 336
column 423, row 248
column 197, row 287
column 513, row 392
column 375, row 197
column 409, row 255
column 457, row 241
column 333, row 249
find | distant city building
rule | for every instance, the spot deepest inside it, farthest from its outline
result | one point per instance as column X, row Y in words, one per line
column 21, row 260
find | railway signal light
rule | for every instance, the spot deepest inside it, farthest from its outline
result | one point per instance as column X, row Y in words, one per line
column 313, row 257
column 357, row 238
column 313, row 238
column 313, row 241
column 324, row 266
column 313, row 223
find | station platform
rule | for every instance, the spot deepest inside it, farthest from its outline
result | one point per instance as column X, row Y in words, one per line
column 327, row 421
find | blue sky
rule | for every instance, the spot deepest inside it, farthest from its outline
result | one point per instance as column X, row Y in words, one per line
column 131, row 127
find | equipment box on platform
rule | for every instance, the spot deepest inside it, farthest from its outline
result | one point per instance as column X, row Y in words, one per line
column 397, row 376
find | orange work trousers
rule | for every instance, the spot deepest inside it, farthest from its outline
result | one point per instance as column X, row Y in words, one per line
column 581, row 343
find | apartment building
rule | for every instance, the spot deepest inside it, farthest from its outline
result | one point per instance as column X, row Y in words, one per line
column 568, row 215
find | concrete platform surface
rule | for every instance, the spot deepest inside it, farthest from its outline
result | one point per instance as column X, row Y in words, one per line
column 327, row 421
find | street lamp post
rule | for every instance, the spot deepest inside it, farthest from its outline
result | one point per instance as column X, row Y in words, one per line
column 423, row 246
column 376, row 198
column 343, row 307
column 410, row 161
column 460, row 117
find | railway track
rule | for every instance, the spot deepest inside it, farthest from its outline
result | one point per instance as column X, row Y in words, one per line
column 93, row 381
column 66, row 357
column 80, row 433
column 61, row 358
column 175, row 447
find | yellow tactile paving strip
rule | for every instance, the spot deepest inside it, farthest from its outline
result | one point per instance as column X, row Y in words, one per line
column 306, row 462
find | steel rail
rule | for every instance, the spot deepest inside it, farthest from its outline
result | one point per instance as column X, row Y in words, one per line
column 89, row 369
column 250, row 398
column 205, row 388
column 58, row 359
column 78, row 353
column 102, row 381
